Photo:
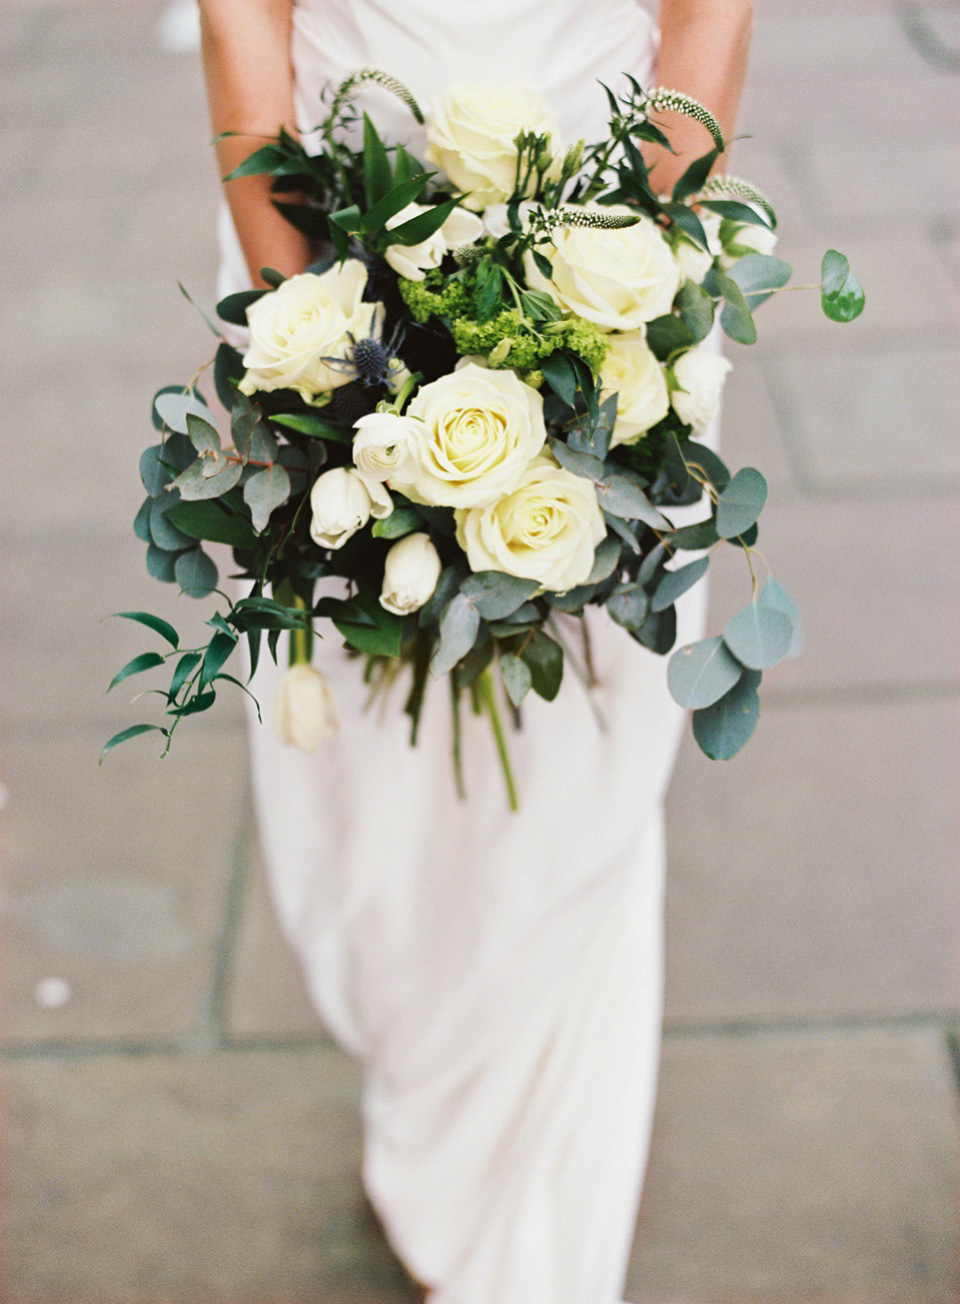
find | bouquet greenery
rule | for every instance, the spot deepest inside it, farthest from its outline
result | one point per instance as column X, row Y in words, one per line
column 476, row 410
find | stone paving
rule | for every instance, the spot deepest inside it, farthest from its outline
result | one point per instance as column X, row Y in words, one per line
column 178, row 1129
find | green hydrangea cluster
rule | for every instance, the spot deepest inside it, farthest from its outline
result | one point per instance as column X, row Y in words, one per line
column 580, row 336
column 509, row 327
column 435, row 296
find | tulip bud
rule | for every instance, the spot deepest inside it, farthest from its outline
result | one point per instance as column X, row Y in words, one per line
column 342, row 501
column 304, row 712
column 410, row 576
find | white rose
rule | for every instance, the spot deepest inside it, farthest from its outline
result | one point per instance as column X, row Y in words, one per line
column 631, row 371
column 341, row 502
column 413, row 261
column 385, row 445
column 307, row 319
column 617, row 279
column 546, row 530
column 693, row 261
column 410, row 574
column 701, row 375
column 477, row 430
column 472, row 136
column 304, row 712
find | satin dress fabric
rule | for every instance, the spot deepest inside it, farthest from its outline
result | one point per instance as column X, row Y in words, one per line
column 498, row 975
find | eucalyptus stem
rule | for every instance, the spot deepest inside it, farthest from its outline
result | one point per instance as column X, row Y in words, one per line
column 488, row 700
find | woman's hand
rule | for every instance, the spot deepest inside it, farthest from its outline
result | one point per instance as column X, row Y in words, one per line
column 703, row 53
column 246, row 60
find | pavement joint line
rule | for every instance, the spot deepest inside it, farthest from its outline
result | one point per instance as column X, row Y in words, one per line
column 944, row 1022
column 952, row 1038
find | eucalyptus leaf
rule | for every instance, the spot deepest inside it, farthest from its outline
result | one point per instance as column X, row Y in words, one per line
column 740, row 503
column 696, row 310
column 605, row 559
column 723, row 728
column 202, row 434
column 517, row 677
column 572, row 600
column 759, row 635
column 584, row 464
column 674, row 583
column 447, row 585
column 161, row 565
column 263, row 446
column 264, row 492
column 196, row 573
column 141, row 522
column 153, row 473
column 227, row 368
column 658, row 632
column 459, row 626
column 544, row 658
column 841, row 294
column 401, row 521
column 620, row 494
column 699, row 456
column 698, row 674
column 163, row 533
column 691, row 538
column 496, row 594
column 665, row 335
column 173, row 408
column 735, row 316
column 628, row 605
column 757, row 273
column 195, row 486
column 776, row 596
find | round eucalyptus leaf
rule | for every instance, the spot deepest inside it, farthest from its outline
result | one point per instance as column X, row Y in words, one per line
column 496, row 594
column 153, row 475
column 674, row 583
column 172, row 408
column 739, row 505
column 776, row 596
column 459, row 625
column 841, row 294
column 517, row 678
column 759, row 636
column 195, row 573
column 141, row 522
column 628, row 604
column 161, row 565
column 722, row 729
column 162, row 532
column 698, row 674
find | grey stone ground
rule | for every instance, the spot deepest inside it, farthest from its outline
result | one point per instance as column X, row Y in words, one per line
column 180, row 1129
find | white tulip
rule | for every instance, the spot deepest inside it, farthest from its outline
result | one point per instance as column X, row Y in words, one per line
column 341, row 502
column 304, row 712
column 701, row 375
column 410, row 575
column 385, row 445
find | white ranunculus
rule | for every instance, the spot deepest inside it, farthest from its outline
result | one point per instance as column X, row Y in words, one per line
column 617, row 279
column 496, row 221
column 305, row 320
column 341, row 503
column 546, row 529
column 410, row 574
column 478, row 429
column 753, row 239
column 631, row 371
column 304, row 712
column 694, row 262
column 385, row 445
column 413, row 261
column 472, row 136
column 701, row 375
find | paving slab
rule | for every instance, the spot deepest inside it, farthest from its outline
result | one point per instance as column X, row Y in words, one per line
column 753, row 432
column 814, row 875
column 115, row 880
column 267, row 997
column 230, row 1179
column 883, row 419
column 802, row 1169
column 869, row 191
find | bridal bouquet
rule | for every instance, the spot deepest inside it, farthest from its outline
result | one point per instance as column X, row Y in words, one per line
column 475, row 412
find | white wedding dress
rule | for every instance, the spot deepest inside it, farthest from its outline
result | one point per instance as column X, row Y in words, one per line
column 498, row 975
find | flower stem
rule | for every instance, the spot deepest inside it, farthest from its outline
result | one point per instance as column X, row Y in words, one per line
column 457, row 739
column 488, row 699
column 301, row 640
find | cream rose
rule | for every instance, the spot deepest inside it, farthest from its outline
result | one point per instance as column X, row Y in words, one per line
column 413, row 261
column 617, row 279
column 546, row 529
column 693, row 261
column 410, row 574
column 478, row 430
column 304, row 712
column 701, row 375
column 472, row 136
column 341, row 503
column 385, row 445
column 749, row 238
column 631, row 371
column 305, row 320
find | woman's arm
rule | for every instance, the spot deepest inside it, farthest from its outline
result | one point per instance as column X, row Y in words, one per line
column 246, row 61
column 703, row 53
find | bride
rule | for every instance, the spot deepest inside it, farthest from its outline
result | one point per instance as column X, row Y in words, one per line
column 498, row 976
